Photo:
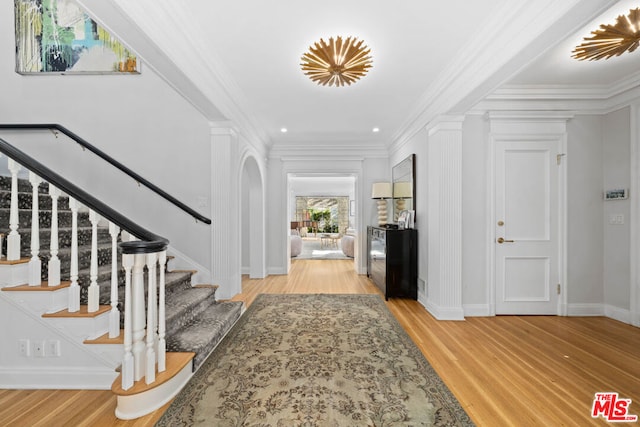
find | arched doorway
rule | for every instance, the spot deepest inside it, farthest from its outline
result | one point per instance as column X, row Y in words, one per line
column 252, row 228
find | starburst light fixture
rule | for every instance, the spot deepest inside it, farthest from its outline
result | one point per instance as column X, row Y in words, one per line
column 337, row 62
column 611, row 40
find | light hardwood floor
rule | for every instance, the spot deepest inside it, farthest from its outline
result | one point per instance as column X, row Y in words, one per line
column 505, row 371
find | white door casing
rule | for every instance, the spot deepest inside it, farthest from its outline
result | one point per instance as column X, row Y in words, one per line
column 527, row 216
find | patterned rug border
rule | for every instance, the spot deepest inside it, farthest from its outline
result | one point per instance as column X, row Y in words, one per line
column 438, row 387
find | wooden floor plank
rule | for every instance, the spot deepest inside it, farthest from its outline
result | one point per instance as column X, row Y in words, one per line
column 505, row 370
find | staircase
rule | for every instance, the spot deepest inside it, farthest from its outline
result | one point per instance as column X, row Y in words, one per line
column 195, row 321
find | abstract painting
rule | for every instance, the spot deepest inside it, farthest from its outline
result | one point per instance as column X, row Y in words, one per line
column 57, row 36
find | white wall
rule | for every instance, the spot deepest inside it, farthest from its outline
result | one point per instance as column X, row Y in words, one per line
column 616, row 168
column 139, row 120
column 585, row 249
column 418, row 145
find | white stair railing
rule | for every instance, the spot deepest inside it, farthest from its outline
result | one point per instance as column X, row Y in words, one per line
column 94, row 290
column 144, row 352
column 114, row 315
column 54, row 261
column 13, row 240
column 35, row 265
column 150, row 371
column 74, row 289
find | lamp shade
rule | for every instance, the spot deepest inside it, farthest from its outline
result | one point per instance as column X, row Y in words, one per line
column 402, row 190
column 381, row 190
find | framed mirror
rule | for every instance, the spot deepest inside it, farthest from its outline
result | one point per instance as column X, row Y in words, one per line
column 404, row 188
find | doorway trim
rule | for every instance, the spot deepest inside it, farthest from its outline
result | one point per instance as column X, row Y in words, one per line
column 529, row 126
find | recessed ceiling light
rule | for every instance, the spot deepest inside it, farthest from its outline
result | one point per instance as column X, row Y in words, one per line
column 283, row 130
column 374, row 130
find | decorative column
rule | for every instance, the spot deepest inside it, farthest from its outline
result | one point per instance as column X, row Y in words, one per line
column 445, row 219
column 13, row 240
column 35, row 265
column 114, row 315
column 94, row 290
column 225, row 203
column 54, row 261
column 74, row 289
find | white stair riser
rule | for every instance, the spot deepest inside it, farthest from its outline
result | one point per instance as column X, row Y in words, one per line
column 14, row 275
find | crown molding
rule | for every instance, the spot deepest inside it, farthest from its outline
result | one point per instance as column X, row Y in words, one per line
column 512, row 38
column 328, row 151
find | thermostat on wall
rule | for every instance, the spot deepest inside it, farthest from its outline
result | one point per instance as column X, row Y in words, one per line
column 617, row 194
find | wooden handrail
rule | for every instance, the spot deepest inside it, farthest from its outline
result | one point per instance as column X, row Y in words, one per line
column 149, row 243
column 82, row 142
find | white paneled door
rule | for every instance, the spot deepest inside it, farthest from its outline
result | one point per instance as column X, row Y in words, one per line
column 526, row 227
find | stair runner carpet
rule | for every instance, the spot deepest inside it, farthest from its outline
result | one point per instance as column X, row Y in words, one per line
column 195, row 320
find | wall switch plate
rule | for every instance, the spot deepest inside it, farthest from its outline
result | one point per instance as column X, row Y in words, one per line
column 24, row 348
column 38, row 348
column 53, row 348
column 616, row 219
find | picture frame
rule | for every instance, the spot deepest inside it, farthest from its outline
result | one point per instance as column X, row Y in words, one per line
column 403, row 219
column 616, row 194
column 59, row 37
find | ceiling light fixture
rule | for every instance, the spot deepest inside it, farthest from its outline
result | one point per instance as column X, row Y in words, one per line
column 611, row 40
column 283, row 130
column 375, row 130
column 337, row 62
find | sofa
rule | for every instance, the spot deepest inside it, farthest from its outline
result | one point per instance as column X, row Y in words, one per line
column 346, row 244
column 296, row 245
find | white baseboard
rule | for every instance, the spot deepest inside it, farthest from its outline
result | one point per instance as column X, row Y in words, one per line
column 585, row 310
column 57, row 378
column 183, row 262
column 245, row 270
column 476, row 310
column 617, row 313
column 276, row 270
column 443, row 313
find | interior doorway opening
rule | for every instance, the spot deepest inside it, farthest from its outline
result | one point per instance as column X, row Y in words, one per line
column 321, row 216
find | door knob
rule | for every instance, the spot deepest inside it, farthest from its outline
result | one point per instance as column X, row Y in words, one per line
column 502, row 240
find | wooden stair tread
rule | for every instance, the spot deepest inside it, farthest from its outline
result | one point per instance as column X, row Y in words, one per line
column 14, row 262
column 104, row 339
column 82, row 313
column 44, row 287
column 176, row 361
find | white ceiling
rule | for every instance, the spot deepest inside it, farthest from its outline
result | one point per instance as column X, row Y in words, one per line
column 239, row 60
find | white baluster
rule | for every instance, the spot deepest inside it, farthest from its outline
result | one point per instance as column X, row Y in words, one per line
column 150, row 376
column 138, row 318
column 13, row 240
column 54, row 261
column 162, row 345
column 127, row 361
column 94, row 290
column 74, row 289
column 35, row 265
column 114, row 316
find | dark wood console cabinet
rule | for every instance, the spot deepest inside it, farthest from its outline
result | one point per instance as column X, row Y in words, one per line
column 392, row 261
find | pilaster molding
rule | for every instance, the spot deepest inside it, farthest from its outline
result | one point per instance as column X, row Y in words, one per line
column 225, row 203
column 222, row 128
column 445, row 220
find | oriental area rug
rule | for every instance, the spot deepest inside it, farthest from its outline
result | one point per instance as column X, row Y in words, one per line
column 316, row 360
